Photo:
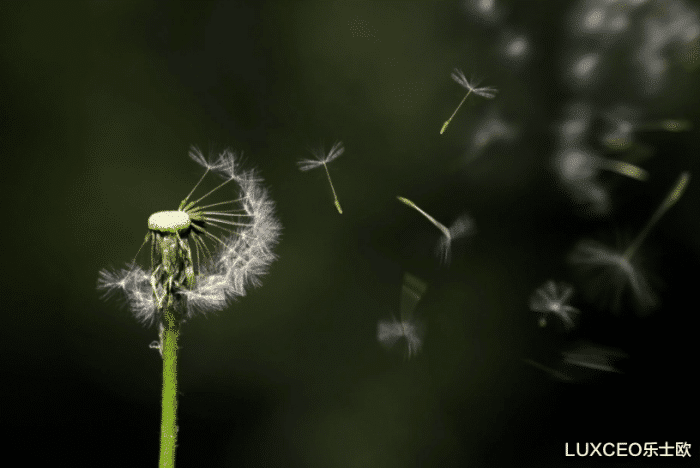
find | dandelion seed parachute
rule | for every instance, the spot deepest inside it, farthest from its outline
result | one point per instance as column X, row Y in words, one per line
column 134, row 283
column 612, row 271
column 389, row 332
column 553, row 298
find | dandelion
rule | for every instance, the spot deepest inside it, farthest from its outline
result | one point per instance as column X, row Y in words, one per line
column 552, row 298
column 462, row 226
column 389, row 332
column 202, row 257
column 485, row 92
column 617, row 270
column 322, row 160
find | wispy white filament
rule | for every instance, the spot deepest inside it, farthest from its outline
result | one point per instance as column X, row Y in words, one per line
column 234, row 261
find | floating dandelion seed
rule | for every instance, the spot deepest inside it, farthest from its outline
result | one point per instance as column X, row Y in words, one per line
column 321, row 160
column 575, row 165
column 617, row 270
column 461, row 227
column 389, row 332
column 583, row 361
column 485, row 92
column 622, row 122
column 577, row 170
column 552, row 298
column 412, row 291
column 593, row 356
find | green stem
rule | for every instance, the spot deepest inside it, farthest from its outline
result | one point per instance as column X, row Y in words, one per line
column 168, row 427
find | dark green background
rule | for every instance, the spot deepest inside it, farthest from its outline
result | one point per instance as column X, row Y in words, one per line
column 101, row 101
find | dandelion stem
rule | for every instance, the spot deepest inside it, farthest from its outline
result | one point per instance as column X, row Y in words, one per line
column 668, row 202
column 447, row 122
column 335, row 197
column 168, row 427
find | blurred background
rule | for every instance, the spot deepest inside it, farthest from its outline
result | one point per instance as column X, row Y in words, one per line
column 101, row 101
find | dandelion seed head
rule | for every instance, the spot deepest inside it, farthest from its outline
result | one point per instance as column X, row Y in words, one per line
column 207, row 254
